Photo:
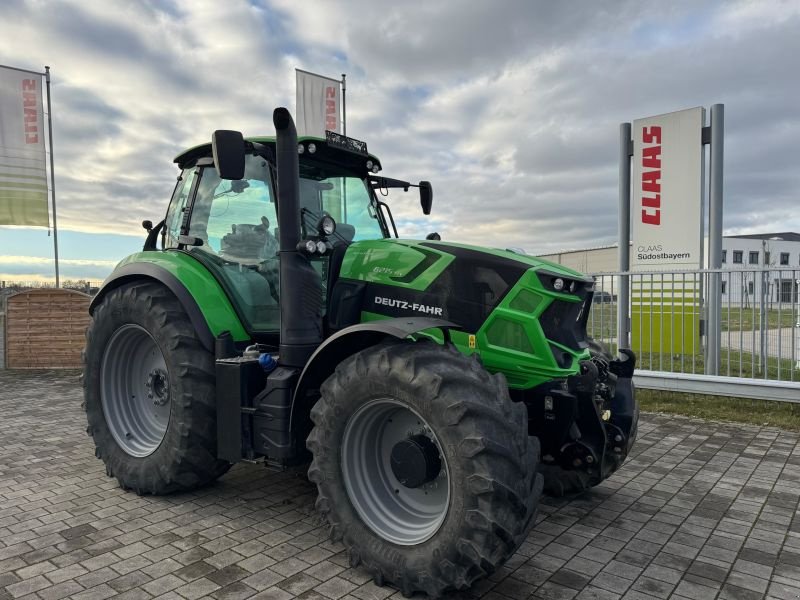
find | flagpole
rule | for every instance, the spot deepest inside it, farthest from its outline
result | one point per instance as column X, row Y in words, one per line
column 344, row 105
column 52, row 173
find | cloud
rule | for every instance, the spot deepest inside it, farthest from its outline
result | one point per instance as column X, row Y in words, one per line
column 510, row 109
column 29, row 268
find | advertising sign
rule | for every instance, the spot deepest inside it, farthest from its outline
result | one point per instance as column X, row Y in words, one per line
column 23, row 178
column 667, row 191
column 667, row 218
column 318, row 100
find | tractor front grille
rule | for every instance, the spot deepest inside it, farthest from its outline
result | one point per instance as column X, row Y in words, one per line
column 565, row 322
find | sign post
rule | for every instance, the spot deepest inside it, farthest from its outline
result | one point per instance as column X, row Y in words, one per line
column 623, row 298
column 714, row 336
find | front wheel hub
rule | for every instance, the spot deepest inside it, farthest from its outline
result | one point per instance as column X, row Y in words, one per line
column 415, row 461
column 158, row 386
column 395, row 472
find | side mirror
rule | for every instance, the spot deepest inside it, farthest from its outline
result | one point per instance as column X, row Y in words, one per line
column 228, row 149
column 425, row 196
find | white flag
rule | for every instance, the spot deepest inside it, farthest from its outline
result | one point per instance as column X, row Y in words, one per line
column 23, row 175
column 318, row 101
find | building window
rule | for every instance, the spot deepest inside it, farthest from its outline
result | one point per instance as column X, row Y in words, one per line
column 784, row 258
column 750, row 288
column 737, row 257
column 724, row 287
column 724, row 256
column 753, row 258
column 766, row 257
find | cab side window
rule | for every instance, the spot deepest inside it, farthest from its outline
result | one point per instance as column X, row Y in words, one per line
column 177, row 206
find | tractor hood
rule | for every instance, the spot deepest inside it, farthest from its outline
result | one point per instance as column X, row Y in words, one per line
column 460, row 283
column 418, row 262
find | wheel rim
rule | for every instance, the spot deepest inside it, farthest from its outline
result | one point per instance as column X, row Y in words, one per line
column 135, row 390
column 397, row 513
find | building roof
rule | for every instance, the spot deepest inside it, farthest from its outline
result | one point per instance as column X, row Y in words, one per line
column 575, row 250
column 789, row 236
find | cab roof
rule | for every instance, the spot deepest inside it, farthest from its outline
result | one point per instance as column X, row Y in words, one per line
column 323, row 149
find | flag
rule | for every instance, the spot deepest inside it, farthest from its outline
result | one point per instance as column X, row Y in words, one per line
column 318, row 101
column 23, row 175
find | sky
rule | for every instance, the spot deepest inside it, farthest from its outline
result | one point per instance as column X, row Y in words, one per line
column 510, row 108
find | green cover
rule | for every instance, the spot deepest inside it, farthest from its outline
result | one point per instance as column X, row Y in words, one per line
column 511, row 340
column 209, row 295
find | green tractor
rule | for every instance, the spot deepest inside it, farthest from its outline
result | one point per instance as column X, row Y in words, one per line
column 435, row 388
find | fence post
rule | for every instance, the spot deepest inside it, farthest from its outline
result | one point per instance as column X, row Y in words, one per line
column 762, row 321
column 623, row 298
column 714, row 323
column 797, row 325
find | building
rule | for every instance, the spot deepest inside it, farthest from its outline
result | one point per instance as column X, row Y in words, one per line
column 768, row 260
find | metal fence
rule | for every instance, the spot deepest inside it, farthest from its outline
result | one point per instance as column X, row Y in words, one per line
column 758, row 336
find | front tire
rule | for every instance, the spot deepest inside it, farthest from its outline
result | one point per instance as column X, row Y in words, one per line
column 473, row 500
column 149, row 391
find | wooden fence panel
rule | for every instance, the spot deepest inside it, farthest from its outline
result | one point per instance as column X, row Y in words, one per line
column 45, row 329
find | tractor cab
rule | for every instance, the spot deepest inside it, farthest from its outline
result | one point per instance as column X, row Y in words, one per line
column 230, row 222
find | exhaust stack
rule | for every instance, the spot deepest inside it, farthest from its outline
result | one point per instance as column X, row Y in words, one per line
column 301, row 285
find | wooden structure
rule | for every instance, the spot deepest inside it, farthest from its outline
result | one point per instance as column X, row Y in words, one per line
column 45, row 329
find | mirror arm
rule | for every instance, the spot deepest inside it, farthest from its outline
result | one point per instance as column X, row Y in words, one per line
column 152, row 236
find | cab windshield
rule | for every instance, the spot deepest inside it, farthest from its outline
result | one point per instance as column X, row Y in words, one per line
column 344, row 197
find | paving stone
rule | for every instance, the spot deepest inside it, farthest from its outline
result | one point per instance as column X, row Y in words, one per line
column 66, row 589
column 27, row 586
column 197, row 589
column 234, row 591
column 298, row 583
column 100, row 592
column 228, row 575
column 696, row 591
column 263, row 580
column 700, row 509
column 652, row 587
column 335, row 588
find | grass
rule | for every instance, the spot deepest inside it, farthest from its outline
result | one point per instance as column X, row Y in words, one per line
column 603, row 318
column 785, row 415
column 695, row 363
column 747, row 319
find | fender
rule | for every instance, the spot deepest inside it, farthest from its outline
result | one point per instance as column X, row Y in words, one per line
column 345, row 343
column 143, row 270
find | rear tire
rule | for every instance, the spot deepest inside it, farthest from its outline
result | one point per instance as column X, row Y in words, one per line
column 488, row 463
column 149, row 391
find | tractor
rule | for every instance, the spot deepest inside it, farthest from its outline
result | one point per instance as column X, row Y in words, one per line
column 434, row 389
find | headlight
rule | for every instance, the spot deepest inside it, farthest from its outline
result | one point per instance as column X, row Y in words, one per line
column 558, row 284
column 312, row 147
column 300, row 148
column 321, row 247
column 311, row 246
column 375, row 168
column 326, row 225
column 369, row 165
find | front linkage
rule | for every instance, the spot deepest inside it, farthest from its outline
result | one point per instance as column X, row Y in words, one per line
column 586, row 423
